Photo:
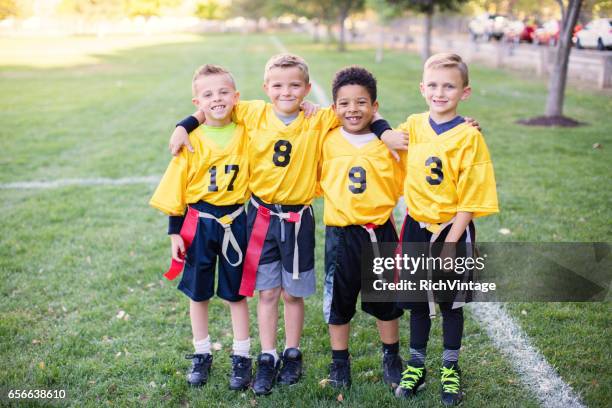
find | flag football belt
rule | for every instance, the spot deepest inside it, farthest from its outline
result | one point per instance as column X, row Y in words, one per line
column 188, row 231
column 369, row 227
column 256, row 242
column 435, row 230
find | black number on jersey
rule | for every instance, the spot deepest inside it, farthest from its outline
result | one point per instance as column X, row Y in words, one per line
column 437, row 170
column 282, row 153
column 358, row 176
column 234, row 168
column 213, row 177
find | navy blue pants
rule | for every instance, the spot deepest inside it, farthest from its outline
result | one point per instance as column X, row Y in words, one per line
column 198, row 279
column 420, row 322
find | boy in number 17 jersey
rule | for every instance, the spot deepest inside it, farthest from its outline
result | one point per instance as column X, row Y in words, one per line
column 212, row 183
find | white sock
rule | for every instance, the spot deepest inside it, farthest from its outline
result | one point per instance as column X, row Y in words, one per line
column 202, row 346
column 272, row 352
column 242, row 347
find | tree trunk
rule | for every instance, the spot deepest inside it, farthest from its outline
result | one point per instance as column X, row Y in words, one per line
column 426, row 52
column 315, row 35
column 558, row 76
column 341, row 20
column 381, row 45
column 330, row 33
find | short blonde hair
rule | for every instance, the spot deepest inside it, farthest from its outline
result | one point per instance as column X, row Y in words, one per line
column 209, row 70
column 287, row 61
column 448, row 60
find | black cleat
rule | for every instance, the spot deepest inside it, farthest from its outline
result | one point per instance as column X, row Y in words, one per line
column 241, row 376
column 340, row 373
column 200, row 368
column 266, row 374
column 291, row 370
column 450, row 377
column 413, row 380
column 392, row 369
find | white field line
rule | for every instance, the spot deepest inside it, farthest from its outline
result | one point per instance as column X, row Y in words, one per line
column 533, row 369
column 317, row 91
column 99, row 181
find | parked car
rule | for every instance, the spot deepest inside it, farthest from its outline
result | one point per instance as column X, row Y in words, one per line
column 548, row 34
column 596, row 34
column 517, row 32
column 487, row 26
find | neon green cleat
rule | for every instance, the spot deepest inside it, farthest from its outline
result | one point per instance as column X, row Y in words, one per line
column 451, row 384
column 413, row 380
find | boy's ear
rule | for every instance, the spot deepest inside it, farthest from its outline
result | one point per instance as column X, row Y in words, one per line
column 308, row 88
column 375, row 107
column 467, row 91
column 333, row 106
column 195, row 101
column 236, row 97
column 422, row 89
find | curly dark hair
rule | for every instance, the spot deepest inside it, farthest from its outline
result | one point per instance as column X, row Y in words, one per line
column 354, row 75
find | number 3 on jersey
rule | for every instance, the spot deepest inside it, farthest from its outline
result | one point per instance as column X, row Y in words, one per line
column 435, row 165
column 282, row 153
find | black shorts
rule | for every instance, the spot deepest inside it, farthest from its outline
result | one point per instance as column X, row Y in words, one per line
column 343, row 250
column 198, row 279
column 412, row 232
column 280, row 240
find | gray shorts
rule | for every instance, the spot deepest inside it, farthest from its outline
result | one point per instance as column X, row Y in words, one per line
column 273, row 275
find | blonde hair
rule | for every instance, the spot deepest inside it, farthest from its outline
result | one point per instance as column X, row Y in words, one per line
column 209, row 70
column 448, row 60
column 287, row 61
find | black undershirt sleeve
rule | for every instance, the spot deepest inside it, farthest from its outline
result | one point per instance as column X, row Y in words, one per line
column 175, row 223
column 190, row 123
column 378, row 127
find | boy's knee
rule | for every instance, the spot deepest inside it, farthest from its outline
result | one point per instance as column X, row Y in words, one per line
column 287, row 298
column 269, row 295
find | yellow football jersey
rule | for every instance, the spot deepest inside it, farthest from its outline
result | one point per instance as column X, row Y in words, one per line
column 283, row 158
column 360, row 185
column 447, row 173
column 219, row 176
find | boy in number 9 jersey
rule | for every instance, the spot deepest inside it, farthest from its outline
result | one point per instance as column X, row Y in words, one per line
column 361, row 183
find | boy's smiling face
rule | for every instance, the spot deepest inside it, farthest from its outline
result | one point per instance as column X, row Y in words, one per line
column 442, row 89
column 354, row 108
column 215, row 97
column 286, row 89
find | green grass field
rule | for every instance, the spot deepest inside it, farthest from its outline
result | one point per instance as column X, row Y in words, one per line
column 72, row 258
